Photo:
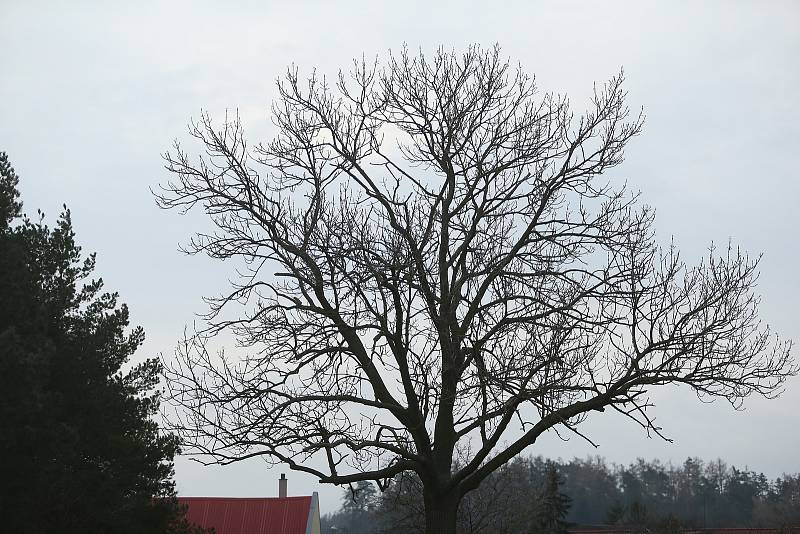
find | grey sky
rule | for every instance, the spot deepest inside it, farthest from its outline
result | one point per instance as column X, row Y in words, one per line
column 91, row 95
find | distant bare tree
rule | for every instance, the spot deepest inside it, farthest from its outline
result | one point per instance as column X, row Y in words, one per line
column 437, row 271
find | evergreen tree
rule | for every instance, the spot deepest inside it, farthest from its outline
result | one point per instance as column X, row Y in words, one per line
column 79, row 451
column 616, row 514
column 553, row 506
column 357, row 505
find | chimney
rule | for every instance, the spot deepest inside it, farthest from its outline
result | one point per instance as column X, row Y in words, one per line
column 282, row 485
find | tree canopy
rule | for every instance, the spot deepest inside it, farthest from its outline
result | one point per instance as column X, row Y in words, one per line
column 437, row 270
column 79, row 450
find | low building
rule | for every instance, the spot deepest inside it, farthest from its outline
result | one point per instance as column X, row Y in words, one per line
column 256, row 515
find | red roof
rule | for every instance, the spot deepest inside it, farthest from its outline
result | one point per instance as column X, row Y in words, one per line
column 287, row 515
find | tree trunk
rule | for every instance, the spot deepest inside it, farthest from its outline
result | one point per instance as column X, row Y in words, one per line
column 440, row 512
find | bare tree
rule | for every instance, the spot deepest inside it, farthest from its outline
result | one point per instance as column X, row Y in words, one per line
column 437, row 274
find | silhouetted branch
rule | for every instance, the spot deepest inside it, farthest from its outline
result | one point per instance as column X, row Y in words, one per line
column 431, row 255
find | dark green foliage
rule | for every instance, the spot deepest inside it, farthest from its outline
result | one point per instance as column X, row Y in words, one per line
column 781, row 506
column 593, row 487
column 615, row 515
column 552, row 506
column 79, row 451
column 356, row 516
column 10, row 205
column 636, row 518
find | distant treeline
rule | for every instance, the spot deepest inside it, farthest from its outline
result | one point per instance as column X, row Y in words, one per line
column 650, row 495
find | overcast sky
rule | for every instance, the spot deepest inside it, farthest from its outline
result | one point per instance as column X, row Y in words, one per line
column 90, row 96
